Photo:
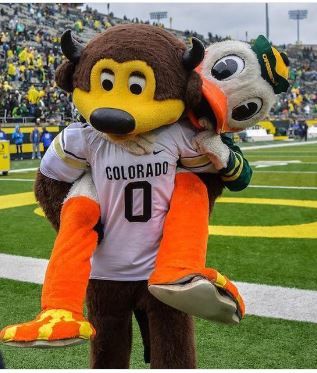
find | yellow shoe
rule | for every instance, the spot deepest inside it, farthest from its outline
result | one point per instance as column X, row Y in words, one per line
column 51, row 328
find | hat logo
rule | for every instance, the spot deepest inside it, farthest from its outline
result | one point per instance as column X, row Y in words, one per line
column 268, row 67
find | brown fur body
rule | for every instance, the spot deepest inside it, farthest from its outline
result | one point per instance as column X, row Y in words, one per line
column 168, row 334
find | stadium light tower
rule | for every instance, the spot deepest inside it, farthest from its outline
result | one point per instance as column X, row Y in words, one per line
column 267, row 24
column 158, row 16
column 298, row 15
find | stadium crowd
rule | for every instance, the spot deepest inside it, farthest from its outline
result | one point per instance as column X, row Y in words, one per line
column 301, row 99
column 30, row 53
column 29, row 56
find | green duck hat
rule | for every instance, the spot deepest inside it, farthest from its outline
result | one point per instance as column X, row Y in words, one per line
column 274, row 64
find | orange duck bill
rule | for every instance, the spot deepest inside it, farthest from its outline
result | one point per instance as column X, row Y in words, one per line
column 213, row 106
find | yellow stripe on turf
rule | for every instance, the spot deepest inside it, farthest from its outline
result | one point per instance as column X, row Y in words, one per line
column 38, row 211
column 27, row 198
column 17, row 200
column 308, row 230
column 270, row 201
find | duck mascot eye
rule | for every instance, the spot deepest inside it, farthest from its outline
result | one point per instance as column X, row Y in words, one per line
column 249, row 76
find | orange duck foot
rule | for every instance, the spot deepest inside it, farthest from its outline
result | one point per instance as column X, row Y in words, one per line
column 51, row 328
column 202, row 298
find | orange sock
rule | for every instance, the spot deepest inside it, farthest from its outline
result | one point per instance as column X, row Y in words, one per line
column 69, row 267
column 183, row 247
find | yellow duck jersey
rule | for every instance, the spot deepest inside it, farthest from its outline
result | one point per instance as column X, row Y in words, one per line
column 133, row 191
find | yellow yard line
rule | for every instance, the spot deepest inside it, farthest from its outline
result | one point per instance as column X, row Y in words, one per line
column 39, row 211
column 308, row 230
column 17, row 200
column 29, row 199
column 270, row 201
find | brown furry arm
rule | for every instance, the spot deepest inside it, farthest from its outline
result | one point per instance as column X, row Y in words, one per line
column 51, row 193
column 214, row 186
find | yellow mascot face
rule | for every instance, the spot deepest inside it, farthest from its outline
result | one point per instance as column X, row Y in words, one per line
column 130, row 79
column 121, row 100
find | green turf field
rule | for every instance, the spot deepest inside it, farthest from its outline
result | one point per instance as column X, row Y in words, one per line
column 258, row 342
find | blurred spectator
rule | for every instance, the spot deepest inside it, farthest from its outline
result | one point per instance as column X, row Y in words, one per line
column 17, row 138
column 35, row 139
column 33, row 95
column 6, row 86
column 3, row 136
column 304, row 129
column 12, row 71
column 78, row 26
column 46, row 139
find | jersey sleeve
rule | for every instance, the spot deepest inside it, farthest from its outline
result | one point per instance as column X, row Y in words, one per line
column 68, row 156
column 190, row 159
column 237, row 175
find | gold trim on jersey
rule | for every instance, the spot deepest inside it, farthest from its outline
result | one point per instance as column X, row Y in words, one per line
column 64, row 157
column 235, row 176
column 236, row 164
column 194, row 162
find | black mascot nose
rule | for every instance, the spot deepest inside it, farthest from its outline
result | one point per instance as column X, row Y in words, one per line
column 113, row 121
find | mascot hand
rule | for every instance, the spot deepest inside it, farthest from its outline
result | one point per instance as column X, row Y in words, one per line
column 54, row 327
column 209, row 143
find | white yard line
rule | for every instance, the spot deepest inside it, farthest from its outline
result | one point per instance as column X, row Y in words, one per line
column 272, row 163
column 288, row 151
column 279, row 302
column 285, row 172
column 279, row 155
column 267, row 164
column 261, row 300
column 6, row 179
column 22, row 268
column 23, row 170
column 276, row 145
column 281, row 187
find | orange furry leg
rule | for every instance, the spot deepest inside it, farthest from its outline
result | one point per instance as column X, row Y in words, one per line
column 67, row 274
column 61, row 321
column 182, row 256
column 183, row 246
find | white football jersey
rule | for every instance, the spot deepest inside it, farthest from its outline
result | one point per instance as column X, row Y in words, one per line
column 134, row 191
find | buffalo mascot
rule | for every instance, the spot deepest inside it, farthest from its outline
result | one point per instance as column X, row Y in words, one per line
column 130, row 188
